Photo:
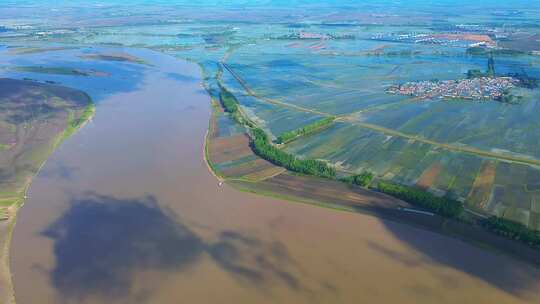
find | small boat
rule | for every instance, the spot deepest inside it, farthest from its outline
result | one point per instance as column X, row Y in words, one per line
column 220, row 184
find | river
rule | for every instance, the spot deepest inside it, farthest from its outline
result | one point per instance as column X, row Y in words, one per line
column 126, row 211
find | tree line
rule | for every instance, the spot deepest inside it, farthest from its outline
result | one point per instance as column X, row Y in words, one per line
column 443, row 206
column 305, row 130
column 228, row 101
column 451, row 208
column 363, row 179
column 260, row 144
column 230, row 105
column 512, row 230
column 262, row 147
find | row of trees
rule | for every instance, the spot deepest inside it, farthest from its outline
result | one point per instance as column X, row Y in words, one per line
column 490, row 71
column 508, row 97
column 444, row 206
column 262, row 147
column 228, row 101
column 525, row 80
column 513, row 230
column 261, row 144
column 475, row 73
column 230, row 104
column 305, row 130
column 481, row 51
column 363, row 179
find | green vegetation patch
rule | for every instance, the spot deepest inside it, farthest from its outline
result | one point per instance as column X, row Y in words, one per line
column 306, row 130
column 363, row 179
column 74, row 124
column 121, row 57
column 262, row 147
column 441, row 205
column 513, row 230
column 8, row 202
column 231, row 106
column 52, row 70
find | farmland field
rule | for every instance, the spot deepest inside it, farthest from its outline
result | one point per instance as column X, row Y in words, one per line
column 229, row 153
column 438, row 145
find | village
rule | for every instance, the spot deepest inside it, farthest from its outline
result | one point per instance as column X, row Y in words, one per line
column 481, row 88
column 457, row 39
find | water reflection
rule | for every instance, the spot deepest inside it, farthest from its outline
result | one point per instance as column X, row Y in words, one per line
column 102, row 242
column 521, row 282
column 253, row 261
column 121, row 76
column 60, row 171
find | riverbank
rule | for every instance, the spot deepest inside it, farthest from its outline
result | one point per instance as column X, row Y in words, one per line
column 76, row 116
column 7, row 294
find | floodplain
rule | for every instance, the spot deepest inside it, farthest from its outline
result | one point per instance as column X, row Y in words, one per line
column 234, row 227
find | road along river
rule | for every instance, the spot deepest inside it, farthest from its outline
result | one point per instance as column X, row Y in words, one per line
column 126, row 211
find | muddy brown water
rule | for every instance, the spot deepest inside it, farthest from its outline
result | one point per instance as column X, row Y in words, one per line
column 126, row 211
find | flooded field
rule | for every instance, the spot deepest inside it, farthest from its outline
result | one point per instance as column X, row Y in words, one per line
column 126, row 211
column 285, row 83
